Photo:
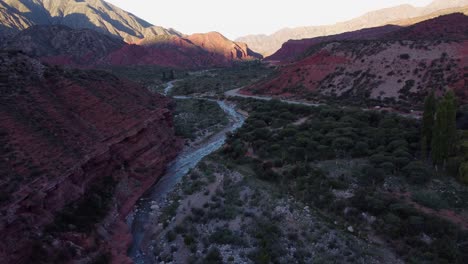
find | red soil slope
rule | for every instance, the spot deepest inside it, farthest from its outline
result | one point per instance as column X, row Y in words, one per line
column 401, row 66
column 61, row 131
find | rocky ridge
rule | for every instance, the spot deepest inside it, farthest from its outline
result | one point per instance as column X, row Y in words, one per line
column 75, row 141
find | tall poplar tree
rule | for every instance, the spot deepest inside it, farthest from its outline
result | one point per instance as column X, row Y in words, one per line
column 428, row 123
column 451, row 135
column 444, row 134
column 439, row 144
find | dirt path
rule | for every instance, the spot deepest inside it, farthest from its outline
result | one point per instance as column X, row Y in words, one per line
column 235, row 93
column 446, row 214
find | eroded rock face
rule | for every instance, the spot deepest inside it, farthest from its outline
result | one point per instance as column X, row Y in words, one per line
column 62, row 132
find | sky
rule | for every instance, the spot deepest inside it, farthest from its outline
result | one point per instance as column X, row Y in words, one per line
column 243, row 17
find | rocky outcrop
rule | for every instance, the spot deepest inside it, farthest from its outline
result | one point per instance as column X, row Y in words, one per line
column 399, row 15
column 69, row 137
column 216, row 43
column 400, row 66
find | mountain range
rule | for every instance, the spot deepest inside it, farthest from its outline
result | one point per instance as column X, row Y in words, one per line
column 94, row 32
column 389, row 64
column 399, row 15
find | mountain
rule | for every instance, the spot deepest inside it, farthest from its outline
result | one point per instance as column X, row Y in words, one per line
column 292, row 49
column 268, row 44
column 79, row 143
column 91, row 33
column 86, row 48
column 399, row 66
column 92, row 14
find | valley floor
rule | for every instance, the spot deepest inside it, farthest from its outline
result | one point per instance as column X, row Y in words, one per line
column 220, row 213
column 307, row 183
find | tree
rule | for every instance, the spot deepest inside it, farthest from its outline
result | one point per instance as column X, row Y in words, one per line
column 451, row 122
column 428, row 122
column 172, row 77
column 445, row 130
column 463, row 172
column 439, row 144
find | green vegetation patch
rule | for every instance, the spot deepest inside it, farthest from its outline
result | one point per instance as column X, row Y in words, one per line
column 376, row 159
column 218, row 81
column 194, row 118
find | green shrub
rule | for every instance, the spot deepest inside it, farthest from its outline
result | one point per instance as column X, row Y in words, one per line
column 417, row 172
column 213, row 256
column 429, row 199
column 225, row 237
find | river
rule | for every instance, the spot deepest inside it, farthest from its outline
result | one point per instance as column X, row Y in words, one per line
column 187, row 160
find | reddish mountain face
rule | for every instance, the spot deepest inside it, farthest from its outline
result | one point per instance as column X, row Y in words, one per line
column 388, row 68
column 64, row 132
column 195, row 51
column 216, row 43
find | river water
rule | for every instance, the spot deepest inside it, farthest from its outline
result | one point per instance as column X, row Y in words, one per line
column 188, row 159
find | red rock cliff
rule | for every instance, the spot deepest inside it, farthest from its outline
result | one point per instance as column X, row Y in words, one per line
column 61, row 132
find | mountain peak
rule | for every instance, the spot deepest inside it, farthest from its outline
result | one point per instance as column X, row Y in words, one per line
column 93, row 14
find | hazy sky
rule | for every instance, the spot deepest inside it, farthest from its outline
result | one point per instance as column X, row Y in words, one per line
column 242, row 17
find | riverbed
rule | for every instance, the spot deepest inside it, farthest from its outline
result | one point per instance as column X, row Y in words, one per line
column 139, row 219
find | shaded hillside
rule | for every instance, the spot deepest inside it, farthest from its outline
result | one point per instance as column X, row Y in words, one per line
column 269, row 44
column 447, row 27
column 293, row 49
column 391, row 68
column 63, row 45
column 451, row 29
column 78, row 149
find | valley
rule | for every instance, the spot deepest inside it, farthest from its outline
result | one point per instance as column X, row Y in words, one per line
column 251, row 200
column 126, row 142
